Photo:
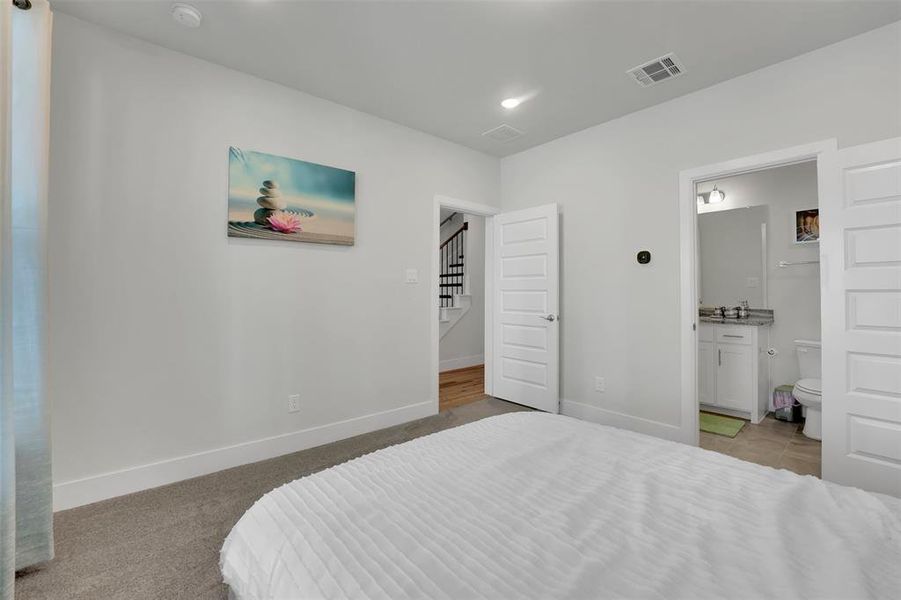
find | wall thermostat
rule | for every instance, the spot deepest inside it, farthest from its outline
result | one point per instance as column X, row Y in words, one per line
column 644, row 257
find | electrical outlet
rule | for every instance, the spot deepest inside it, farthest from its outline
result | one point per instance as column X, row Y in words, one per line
column 600, row 384
column 412, row 276
column 294, row 403
column 753, row 282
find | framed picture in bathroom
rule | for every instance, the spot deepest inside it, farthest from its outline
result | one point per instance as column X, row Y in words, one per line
column 807, row 226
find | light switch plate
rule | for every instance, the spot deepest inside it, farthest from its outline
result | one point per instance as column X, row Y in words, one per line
column 412, row 276
column 600, row 384
column 294, row 403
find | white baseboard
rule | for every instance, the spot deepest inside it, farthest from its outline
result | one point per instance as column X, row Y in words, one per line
column 69, row 494
column 461, row 363
column 587, row 412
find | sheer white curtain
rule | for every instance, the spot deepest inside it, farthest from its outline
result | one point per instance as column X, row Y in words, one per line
column 7, row 444
column 26, row 498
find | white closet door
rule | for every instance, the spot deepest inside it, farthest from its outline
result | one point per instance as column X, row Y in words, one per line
column 860, row 247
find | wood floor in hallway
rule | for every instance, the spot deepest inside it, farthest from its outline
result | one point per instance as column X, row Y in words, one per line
column 461, row 386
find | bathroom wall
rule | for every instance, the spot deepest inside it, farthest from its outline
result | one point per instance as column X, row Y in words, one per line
column 793, row 292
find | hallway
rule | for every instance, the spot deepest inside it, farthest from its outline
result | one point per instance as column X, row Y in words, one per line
column 460, row 386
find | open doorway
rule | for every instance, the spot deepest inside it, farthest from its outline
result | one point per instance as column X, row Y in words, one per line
column 461, row 313
column 759, row 367
column 520, row 326
column 858, row 188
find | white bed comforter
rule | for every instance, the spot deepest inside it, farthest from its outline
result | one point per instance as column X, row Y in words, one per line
column 530, row 505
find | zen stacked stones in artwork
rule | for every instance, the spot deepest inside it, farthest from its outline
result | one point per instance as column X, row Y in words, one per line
column 270, row 201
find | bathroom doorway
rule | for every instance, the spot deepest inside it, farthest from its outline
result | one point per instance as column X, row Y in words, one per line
column 753, row 274
column 759, row 316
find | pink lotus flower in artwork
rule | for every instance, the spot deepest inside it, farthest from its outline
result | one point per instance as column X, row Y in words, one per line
column 284, row 222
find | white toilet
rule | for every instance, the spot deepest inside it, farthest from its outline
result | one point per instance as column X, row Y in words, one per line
column 809, row 389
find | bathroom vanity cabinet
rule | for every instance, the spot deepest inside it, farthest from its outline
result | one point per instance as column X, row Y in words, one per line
column 733, row 369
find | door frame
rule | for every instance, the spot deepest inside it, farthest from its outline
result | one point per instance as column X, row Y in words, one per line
column 688, row 259
column 472, row 208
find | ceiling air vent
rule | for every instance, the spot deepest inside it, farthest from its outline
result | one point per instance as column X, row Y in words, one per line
column 503, row 133
column 657, row 70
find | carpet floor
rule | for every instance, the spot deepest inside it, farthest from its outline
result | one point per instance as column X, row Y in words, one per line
column 164, row 543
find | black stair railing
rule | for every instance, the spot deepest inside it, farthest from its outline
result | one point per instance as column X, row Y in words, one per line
column 452, row 261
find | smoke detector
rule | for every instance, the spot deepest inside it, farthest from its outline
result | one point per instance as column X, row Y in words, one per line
column 186, row 15
column 657, row 70
column 503, row 133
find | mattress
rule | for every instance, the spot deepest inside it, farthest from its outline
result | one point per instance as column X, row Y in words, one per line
column 532, row 505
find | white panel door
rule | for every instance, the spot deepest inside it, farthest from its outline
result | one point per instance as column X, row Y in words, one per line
column 860, row 252
column 525, row 349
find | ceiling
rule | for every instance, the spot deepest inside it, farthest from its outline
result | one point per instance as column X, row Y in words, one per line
column 444, row 67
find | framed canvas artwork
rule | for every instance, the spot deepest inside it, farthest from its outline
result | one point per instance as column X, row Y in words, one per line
column 276, row 198
column 807, row 226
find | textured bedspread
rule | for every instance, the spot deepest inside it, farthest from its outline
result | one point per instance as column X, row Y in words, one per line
column 530, row 505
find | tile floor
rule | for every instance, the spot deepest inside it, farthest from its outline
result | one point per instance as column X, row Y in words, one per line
column 772, row 443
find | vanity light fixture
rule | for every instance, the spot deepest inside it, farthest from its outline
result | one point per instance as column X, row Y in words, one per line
column 714, row 196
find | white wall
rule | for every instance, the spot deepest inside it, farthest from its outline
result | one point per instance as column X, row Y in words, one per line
column 617, row 185
column 168, row 339
column 793, row 292
column 464, row 344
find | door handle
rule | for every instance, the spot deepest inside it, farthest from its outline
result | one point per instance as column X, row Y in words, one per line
column 550, row 318
column 733, row 336
column 719, row 357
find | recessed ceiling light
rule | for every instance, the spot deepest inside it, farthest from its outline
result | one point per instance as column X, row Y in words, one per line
column 511, row 102
column 186, row 15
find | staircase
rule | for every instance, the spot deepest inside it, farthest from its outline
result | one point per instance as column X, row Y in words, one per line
column 454, row 299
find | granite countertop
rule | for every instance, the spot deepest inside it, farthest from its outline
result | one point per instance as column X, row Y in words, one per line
column 758, row 317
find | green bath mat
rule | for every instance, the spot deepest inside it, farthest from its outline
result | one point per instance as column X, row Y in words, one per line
column 720, row 425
